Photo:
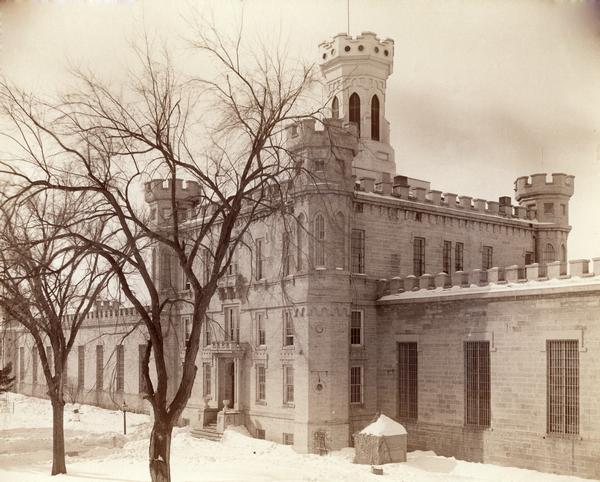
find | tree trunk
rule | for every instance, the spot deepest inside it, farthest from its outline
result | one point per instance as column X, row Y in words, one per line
column 58, row 439
column 160, row 452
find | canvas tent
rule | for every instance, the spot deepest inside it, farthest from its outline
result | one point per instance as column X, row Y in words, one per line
column 381, row 442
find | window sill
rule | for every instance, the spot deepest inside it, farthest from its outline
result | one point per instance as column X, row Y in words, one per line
column 262, row 403
column 562, row 436
column 288, row 405
column 477, row 428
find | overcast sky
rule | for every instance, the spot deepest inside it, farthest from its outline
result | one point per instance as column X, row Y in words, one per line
column 482, row 91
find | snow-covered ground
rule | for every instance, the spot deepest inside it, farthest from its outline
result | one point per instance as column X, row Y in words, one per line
column 100, row 452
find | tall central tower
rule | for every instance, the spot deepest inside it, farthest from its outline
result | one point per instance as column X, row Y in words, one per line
column 356, row 70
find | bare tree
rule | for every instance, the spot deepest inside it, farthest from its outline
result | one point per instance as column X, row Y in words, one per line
column 48, row 285
column 224, row 135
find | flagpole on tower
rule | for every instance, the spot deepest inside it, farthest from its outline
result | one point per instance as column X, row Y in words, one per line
column 348, row 15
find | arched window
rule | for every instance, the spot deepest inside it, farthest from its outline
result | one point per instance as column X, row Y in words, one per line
column 299, row 243
column 340, row 241
column 319, row 241
column 335, row 108
column 375, row 118
column 355, row 110
column 549, row 255
column 563, row 253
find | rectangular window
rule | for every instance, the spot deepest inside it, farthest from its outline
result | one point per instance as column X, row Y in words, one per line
column 260, row 433
column 407, row 380
column 80, row 367
column 232, row 327
column 141, row 380
column 288, row 439
column 357, row 250
column 529, row 257
column 477, row 383
column 207, row 333
column 548, row 208
column 356, row 327
column 206, row 379
column 286, row 260
column 99, row 367
column 261, row 335
column 288, row 329
column 187, row 328
column 261, row 383
column 120, row 368
column 231, row 267
column 206, row 265
column 418, row 256
column 459, row 249
column 21, row 364
column 563, row 208
column 259, row 259
column 356, row 385
column 562, row 358
column 487, row 256
column 447, row 257
column 288, row 384
column 34, row 365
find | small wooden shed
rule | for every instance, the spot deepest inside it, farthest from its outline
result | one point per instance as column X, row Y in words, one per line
column 381, row 442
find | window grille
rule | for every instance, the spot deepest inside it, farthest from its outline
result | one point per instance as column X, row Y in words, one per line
column 206, row 379
column 80, row 367
column 34, row 365
column 447, row 254
column 477, row 383
column 288, row 382
column 261, row 334
column 458, row 256
column 487, row 255
column 260, row 433
column 320, row 441
column 319, row 241
column 357, row 249
column 288, row 439
column 418, row 256
column 99, row 367
column 288, row 329
column 261, row 383
column 549, row 254
column 562, row 357
column 407, row 380
column 356, row 322
column 356, row 385
column 120, row 368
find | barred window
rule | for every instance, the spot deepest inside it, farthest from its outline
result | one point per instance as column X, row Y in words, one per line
column 477, row 383
column 549, row 254
column 261, row 383
column 407, row 380
column 141, row 379
column 206, row 379
column 34, row 365
column 356, row 384
column 319, row 241
column 447, row 254
column 356, row 327
column 99, row 367
column 288, row 384
column 562, row 358
column 260, row 433
column 288, row 439
column 120, row 368
column 487, row 255
column 418, row 256
column 259, row 259
column 288, row 329
column 80, row 367
column 459, row 249
column 357, row 249
column 261, row 333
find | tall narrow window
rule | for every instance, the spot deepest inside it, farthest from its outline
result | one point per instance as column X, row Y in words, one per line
column 418, row 256
column 407, row 380
column 299, row 243
column 187, row 328
column 50, row 358
column 459, row 249
column 319, row 241
column 477, row 383
column 99, row 367
column 207, row 333
column 232, row 328
column 206, row 379
column 562, row 358
column 288, row 384
column 259, row 259
column 549, row 255
column 288, row 329
column 21, row 364
column 120, row 368
column 285, row 254
column 487, row 257
column 528, row 257
column 357, row 249
column 375, row 118
column 356, row 327
column 80, row 367
column 354, row 111
column 356, row 384
column 34, row 365
column 447, row 254
column 141, row 380
column 335, row 108
column 261, row 335
column 206, row 265
column 261, row 383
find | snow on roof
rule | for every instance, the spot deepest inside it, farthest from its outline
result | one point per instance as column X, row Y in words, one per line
column 384, row 426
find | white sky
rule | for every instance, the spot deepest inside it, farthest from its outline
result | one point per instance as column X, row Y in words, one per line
column 482, row 92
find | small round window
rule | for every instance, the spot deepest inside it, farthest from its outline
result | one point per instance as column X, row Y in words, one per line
column 376, row 50
column 347, row 48
column 361, row 48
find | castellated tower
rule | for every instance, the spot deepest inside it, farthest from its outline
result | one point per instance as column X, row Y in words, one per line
column 356, row 70
column 550, row 202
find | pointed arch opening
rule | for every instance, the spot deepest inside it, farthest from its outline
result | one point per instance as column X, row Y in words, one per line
column 549, row 254
column 354, row 110
column 335, row 108
column 319, row 233
column 375, row 118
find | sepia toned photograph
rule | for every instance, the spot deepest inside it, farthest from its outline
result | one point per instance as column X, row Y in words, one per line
column 299, row 240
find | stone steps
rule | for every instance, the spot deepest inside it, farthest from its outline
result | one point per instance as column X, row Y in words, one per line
column 209, row 432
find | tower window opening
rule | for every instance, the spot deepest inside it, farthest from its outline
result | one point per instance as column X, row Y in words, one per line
column 375, row 118
column 361, row 48
column 335, row 108
column 355, row 110
column 347, row 48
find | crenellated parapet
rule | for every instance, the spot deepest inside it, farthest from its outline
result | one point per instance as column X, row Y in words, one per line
column 559, row 184
column 477, row 278
column 161, row 190
column 366, row 46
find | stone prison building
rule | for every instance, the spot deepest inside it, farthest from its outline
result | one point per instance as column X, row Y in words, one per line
column 461, row 318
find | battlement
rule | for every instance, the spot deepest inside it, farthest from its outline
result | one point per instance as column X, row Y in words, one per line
column 366, row 46
column 334, row 133
column 538, row 184
column 510, row 277
column 158, row 189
